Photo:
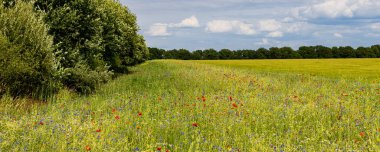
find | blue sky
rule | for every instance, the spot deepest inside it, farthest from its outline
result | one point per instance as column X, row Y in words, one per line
column 251, row 24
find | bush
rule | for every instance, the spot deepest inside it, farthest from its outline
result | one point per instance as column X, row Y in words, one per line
column 27, row 66
column 84, row 80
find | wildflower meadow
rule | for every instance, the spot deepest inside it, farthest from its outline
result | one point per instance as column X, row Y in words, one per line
column 173, row 105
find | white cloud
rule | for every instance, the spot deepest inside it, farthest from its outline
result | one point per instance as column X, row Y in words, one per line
column 226, row 26
column 339, row 9
column 191, row 22
column 375, row 26
column 263, row 42
column 373, row 35
column 269, row 25
column 295, row 27
column 276, row 34
column 338, row 35
column 159, row 29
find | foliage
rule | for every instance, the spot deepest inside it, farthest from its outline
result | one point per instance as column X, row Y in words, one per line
column 76, row 29
column 93, row 37
column 156, row 53
column 89, row 41
column 225, row 54
column 123, row 46
column 210, row 54
column 306, row 52
column 27, row 65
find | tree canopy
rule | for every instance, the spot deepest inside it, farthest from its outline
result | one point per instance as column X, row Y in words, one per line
column 306, row 52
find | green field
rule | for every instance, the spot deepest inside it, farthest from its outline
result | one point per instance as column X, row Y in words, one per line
column 246, row 105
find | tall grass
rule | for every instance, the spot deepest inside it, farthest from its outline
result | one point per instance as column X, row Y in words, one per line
column 186, row 106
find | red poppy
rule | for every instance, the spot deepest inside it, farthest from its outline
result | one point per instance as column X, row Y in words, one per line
column 113, row 110
column 167, row 151
column 234, row 105
column 41, row 123
column 362, row 134
column 203, row 98
column 98, row 130
column 159, row 148
column 117, row 117
column 88, row 148
column 195, row 124
column 230, row 98
column 139, row 114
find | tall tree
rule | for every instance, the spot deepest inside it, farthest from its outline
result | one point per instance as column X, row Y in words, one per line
column 197, row 55
column 323, row 52
column 262, row 53
column 225, row 54
column 156, row 53
column 347, row 52
column 210, row 54
column 376, row 50
column 307, row 52
column 184, row 54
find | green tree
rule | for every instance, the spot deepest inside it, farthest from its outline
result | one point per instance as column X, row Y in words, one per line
column 275, row 53
column 171, row 54
column 210, row 54
column 376, row 50
column 323, row 52
column 307, row 52
column 156, row 53
column 238, row 54
column 335, row 52
column 286, row 52
column 93, row 37
column 364, row 52
column 27, row 64
column 197, row 55
column 184, row 54
column 262, row 53
column 123, row 46
column 249, row 54
column 347, row 52
column 225, row 54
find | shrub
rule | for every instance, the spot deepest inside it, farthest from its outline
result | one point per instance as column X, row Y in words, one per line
column 84, row 80
column 27, row 66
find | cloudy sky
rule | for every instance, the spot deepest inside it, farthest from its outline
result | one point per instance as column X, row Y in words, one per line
column 251, row 24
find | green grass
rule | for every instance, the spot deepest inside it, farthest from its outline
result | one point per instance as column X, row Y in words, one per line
column 246, row 107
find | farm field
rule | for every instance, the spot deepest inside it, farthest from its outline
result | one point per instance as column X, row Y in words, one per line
column 353, row 69
column 245, row 105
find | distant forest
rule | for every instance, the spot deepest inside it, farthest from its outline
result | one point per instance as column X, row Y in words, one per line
column 304, row 52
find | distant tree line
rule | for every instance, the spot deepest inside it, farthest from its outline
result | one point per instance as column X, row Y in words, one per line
column 304, row 52
column 46, row 45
